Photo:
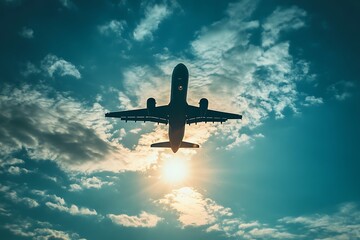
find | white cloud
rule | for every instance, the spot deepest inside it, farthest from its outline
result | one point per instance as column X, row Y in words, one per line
column 312, row 100
column 4, row 211
column 143, row 220
column 61, row 205
column 125, row 102
column 30, row 69
column 259, row 82
column 31, row 203
column 249, row 225
column 67, row 4
column 27, row 33
column 135, row 130
column 113, row 26
column 341, row 90
column 52, row 64
column 281, row 20
column 94, row 182
column 270, row 233
column 75, row 187
column 239, row 139
column 61, row 129
column 15, row 170
column 342, row 224
column 10, row 162
column 154, row 15
column 192, row 208
column 38, row 230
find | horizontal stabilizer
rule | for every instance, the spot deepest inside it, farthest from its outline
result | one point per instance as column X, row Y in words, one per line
column 167, row 145
column 161, row 145
column 188, row 145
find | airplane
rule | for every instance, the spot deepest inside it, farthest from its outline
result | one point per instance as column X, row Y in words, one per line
column 177, row 113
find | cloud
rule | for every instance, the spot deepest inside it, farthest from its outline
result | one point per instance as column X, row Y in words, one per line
column 30, row 69
column 341, row 90
column 38, row 230
column 265, row 233
column 91, row 182
column 15, row 170
column 259, row 82
column 94, row 182
column 342, row 224
column 114, row 26
column 312, row 100
column 27, row 33
column 50, row 126
column 192, row 208
column 13, row 196
column 60, row 205
column 52, row 64
column 11, row 161
column 143, row 220
column 68, row 4
column 75, row 187
column 154, row 15
column 281, row 20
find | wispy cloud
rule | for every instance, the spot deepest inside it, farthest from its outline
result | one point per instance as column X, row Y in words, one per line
column 154, row 15
column 15, row 170
column 341, row 90
column 112, row 27
column 143, row 220
column 342, row 224
column 27, row 33
column 260, row 81
column 312, row 100
column 10, row 162
column 30, row 68
column 59, row 204
column 281, row 20
column 72, row 134
column 194, row 209
column 52, row 64
column 89, row 182
column 68, row 4
column 32, row 203
column 38, row 230
column 14, row 197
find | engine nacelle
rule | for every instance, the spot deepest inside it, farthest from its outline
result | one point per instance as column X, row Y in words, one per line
column 150, row 105
column 203, row 104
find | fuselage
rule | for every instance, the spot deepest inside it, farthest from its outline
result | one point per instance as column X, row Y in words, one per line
column 178, row 104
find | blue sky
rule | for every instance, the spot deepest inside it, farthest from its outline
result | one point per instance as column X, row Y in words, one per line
column 287, row 170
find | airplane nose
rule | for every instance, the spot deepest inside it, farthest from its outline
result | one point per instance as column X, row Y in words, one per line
column 181, row 70
column 180, row 65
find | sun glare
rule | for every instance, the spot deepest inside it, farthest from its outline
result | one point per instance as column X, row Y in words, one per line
column 174, row 170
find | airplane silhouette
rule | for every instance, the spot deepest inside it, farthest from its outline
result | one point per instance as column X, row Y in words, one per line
column 177, row 113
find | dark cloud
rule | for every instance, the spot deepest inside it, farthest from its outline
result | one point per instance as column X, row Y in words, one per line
column 52, row 126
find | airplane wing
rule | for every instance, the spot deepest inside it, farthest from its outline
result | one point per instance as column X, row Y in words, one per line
column 194, row 115
column 159, row 115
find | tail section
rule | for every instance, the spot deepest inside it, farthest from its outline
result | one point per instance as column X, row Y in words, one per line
column 167, row 145
column 161, row 145
column 189, row 145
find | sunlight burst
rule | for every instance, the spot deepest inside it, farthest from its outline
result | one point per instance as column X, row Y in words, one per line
column 175, row 170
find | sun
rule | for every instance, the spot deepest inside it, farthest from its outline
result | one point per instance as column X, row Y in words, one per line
column 174, row 170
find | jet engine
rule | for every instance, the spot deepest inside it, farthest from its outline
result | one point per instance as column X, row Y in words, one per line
column 150, row 105
column 203, row 104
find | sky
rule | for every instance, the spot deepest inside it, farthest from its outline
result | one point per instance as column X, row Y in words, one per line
column 288, row 170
